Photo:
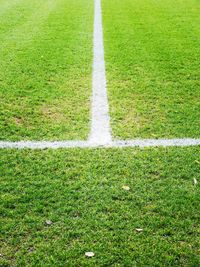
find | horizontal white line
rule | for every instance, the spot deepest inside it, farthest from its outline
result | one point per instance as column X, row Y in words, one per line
column 157, row 142
column 43, row 144
column 88, row 144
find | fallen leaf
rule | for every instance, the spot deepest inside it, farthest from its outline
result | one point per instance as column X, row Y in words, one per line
column 125, row 187
column 139, row 229
column 89, row 254
column 49, row 222
column 195, row 181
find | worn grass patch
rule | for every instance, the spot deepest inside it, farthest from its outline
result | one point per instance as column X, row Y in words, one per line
column 84, row 193
column 152, row 57
column 45, row 70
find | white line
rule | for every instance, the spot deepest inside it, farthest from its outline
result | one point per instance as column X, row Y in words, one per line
column 114, row 144
column 100, row 125
column 43, row 144
column 157, row 142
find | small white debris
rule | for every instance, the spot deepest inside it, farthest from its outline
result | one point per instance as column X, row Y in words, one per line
column 31, row 249
column 49, row 222
column 195, row 181
column 125, row 187
column 89, row 254
column 139, row 229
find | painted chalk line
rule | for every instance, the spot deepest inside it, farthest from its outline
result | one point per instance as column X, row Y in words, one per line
column 100, row 123
column 141, row 143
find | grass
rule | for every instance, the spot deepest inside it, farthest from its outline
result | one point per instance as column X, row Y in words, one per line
column 152, row 57
column 45, row 70
column 81, row 192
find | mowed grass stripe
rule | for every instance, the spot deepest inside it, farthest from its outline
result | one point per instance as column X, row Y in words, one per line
column 152, row 58
column 7, row 5
column 45, row 72
column 81, row 192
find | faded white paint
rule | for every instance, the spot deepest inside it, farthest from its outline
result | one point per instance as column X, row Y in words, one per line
column 114, row 144
column 157, row 142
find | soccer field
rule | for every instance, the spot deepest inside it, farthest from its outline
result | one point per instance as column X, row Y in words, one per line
column 99, row 133
column 45, row 70
column 81, row 192
column 152, row 56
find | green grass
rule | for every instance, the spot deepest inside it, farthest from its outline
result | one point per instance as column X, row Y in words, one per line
column 152, row 59
column 45, row 70
column 81, row 192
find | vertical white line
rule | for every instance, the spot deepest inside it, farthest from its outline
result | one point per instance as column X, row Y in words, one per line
column 100, row 126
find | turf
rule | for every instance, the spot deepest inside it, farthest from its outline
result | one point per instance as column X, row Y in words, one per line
column 152, row 57
column 81, row 192
column 45, row 70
